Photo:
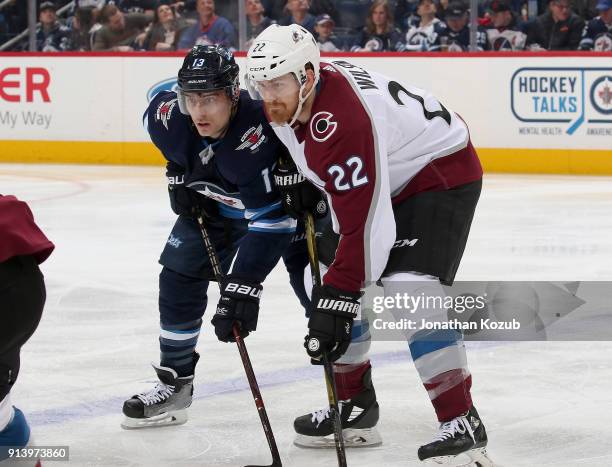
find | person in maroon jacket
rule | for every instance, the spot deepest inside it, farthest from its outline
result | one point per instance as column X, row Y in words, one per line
column 23, row 246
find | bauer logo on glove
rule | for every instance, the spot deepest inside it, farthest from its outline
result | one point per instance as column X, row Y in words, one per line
column 239, row 303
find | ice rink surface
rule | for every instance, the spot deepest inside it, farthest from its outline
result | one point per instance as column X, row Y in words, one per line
column 543, row 403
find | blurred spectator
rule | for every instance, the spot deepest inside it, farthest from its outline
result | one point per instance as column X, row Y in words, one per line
column 557, row 29
column 119, row 31
column 325, row 7
column 324, row 32
column 136, row 6
column 84, row 26
column 15, row 17
column 99, row 4
column 275, row 9
column 380, row 33
column 442, row 6
column 257, row 21
column 51, row 35
column 585, row 9
column 503, row 32
column 165, row 30
column 456, row 36
column 597, row 34
column 210, row 29
column 423, row 29
column 404, row 14
column 298, row 14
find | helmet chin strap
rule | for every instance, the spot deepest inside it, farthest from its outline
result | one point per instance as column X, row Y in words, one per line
column 301, row 102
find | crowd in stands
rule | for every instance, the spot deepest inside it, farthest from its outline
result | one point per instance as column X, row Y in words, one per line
column 338, row 25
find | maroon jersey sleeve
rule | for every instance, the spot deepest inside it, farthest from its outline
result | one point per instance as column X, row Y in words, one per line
column 19, row 234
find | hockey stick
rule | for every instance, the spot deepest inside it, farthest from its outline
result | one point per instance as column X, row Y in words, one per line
column 244, row 355
column 313, row 257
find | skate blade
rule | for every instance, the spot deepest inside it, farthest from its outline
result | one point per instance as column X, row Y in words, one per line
column 176, row 417
column 478, row 458
column 353, row 438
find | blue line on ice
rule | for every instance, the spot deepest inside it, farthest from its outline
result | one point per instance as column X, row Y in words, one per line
column 109, row 406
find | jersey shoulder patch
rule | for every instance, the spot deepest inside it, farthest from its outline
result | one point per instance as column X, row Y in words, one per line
column 168, row 128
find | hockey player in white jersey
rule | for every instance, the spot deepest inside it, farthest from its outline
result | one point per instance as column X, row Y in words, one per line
column 395, row 164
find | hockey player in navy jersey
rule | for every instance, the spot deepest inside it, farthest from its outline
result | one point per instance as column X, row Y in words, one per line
column 402, row 181
column 221, row 153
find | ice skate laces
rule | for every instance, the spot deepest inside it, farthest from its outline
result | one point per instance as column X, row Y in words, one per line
column 319, row 416
column 457, row 425
column 159, row 393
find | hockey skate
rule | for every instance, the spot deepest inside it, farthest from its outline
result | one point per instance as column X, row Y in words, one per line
column 359, row 417
column 463, row 435
column 163, row 405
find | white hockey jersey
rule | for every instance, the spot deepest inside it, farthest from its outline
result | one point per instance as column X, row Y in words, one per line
column 370, row 142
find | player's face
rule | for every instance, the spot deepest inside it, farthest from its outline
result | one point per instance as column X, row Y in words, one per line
column 280, row 96
column 209, row 111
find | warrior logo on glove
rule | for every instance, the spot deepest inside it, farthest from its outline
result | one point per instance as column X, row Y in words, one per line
column 331, row 322
column 299, row 196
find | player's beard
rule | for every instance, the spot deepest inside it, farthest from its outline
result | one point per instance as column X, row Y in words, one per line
column 279, row 112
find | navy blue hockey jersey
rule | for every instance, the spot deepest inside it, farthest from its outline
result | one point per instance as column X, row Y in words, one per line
column 235, row 171
column 457, row 41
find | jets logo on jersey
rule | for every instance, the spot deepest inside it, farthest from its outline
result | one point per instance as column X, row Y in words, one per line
column 164, row 112
column 603, row 42
column 252, row 139
column 322, row 126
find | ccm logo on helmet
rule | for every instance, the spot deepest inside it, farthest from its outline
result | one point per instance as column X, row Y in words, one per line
column 322, row 126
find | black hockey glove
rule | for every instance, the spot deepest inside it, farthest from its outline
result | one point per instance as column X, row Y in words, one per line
column 331, row 322
column 298, row 195
column 239, row 302
column 185, row 201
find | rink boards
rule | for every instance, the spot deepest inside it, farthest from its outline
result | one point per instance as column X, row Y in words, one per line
column 547, row 113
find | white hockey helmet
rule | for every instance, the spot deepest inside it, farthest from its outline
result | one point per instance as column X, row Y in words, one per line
column 280, row 50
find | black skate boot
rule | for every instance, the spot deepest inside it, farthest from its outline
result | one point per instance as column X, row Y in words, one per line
column 359, row 417
column 462, row 435
column 163, row 405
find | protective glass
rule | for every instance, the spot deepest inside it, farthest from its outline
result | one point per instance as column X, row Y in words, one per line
column 277, row 89
column 199, row 102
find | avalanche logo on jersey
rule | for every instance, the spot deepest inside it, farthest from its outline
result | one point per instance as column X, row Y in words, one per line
column 252, row 139
column 164, row 112
column 322, row 126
